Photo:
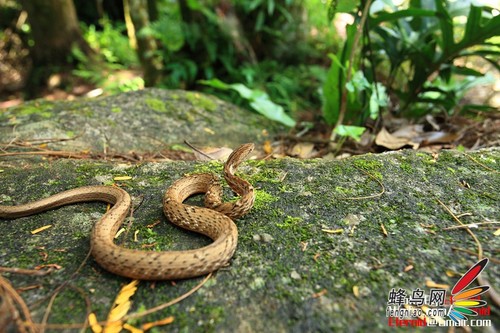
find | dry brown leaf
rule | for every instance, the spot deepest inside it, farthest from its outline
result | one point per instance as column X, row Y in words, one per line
column 208, row 154
column 408, row 268
column 303, row 150
column 268, row 149
column 388, row 140
column 319, row 293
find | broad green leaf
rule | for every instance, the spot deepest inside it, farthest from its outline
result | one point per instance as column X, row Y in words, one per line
column 216, row 83
column 413, row 12
column 258, row 100
column 446, row 24
column 266, row 107
column 354, row 132
column 331, row 91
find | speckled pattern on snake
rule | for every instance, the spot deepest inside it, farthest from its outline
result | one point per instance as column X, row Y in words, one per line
column 214, row 221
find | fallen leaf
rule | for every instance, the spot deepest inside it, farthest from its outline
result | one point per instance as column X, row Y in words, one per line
column 122, row 178
column 55, row 266
column 268, row 149
column 333, row 231
column 432, row 284
column 132, row 329
column 303, row 150
column 208, row 154
column 384, row 231
column 408, row 268
column 355, row 291
column 319, row 293
column 386, row 139
column 45, row 227
column 94, row 326
column 120, row 308
column 119, row 232
column 165, row 321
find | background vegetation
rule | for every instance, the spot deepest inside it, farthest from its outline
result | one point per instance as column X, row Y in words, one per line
column 295, row 62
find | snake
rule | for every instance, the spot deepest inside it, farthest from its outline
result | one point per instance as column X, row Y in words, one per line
column 215, row 221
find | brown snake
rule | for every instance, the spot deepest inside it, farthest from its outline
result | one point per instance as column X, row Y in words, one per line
column 214, row 222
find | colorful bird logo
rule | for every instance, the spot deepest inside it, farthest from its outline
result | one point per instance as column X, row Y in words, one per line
column 461, row 302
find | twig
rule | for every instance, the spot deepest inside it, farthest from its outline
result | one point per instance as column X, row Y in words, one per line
column 468, row 225
column 481, row 164
column 198, row 150
column 23, row 271
column 11, row 292
column 481, row 280
column 368, row 196
column 496, row 261
column 479, row 246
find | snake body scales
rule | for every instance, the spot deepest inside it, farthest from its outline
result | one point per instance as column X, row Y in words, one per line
column 214, row 221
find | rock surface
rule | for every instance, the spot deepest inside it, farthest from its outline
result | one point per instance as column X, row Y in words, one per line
column 141, row 121
column 322, row 248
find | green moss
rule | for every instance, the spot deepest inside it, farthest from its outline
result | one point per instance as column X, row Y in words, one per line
column 263, row 199
column 406, row 167
column 116, row 109
column 201, row 101
column 156, row 105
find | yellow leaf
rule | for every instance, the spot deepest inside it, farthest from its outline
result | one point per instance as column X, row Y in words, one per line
column 355, row 291
column 96, row 328
column 132, row 328
column 497, row 233
column 432, row 284
column 45, row 227
column 165, row 321
column 119, row 232
column 120, row 307
column 384, row 231
column 333, row 231
column 122, row 178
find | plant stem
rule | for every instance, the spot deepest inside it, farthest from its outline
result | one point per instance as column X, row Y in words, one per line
column 343, row 99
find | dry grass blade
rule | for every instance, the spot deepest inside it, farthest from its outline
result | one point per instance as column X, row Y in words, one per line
column 481, row 280
column 481, row 164
column 368, row 196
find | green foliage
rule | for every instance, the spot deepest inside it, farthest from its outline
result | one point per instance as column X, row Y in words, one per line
column 415, row 50
column 258, row 100
column 113, row 45
column 421, row 45
column 112, row 42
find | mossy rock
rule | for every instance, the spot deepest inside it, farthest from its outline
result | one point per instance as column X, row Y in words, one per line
column 311, row 257
column 141, row 121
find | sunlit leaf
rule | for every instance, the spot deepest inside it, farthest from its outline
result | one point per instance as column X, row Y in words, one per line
column 353, row 132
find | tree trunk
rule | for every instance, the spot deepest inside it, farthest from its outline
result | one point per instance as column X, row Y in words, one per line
column 54, row 26
column 147, row 47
